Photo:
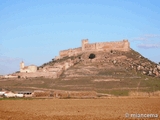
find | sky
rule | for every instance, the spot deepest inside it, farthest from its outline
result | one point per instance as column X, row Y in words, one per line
column 36, row 30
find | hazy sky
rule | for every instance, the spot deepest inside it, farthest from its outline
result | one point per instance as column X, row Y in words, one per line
column 36, row 30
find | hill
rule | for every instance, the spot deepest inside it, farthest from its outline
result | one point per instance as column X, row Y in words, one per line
column 110, row 72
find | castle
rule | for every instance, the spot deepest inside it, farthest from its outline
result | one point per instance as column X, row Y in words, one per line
column 59, row 67
column 102, row 46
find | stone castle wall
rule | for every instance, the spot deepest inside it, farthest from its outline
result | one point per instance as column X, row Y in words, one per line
column 102, row 46
column 90, row 47
column 64, row 53
column 77, row 50
column 70, row 52
column 107, row 46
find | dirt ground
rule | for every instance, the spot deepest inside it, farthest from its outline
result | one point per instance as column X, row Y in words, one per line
column 78, row 109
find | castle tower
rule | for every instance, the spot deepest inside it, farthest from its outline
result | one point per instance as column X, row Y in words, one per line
column 84, row 42
column 126, row 45
column 22, row 65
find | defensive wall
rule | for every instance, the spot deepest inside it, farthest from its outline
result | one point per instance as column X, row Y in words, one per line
column 70, row 52
column 123, row 45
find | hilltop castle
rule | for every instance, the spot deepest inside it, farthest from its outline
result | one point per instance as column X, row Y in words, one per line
column 55, row 70
column 102, row 46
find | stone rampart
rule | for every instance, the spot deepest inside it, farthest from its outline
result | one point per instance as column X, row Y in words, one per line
column 104, row 46
column 90, row 46
column 70, row 52
column 121, row 45
column 110, row 45
column 64, row 53
column 76, row 51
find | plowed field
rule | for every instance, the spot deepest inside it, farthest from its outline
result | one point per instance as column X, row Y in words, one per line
column 77, row 109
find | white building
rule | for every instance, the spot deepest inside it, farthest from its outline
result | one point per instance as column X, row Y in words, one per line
column 9, row 94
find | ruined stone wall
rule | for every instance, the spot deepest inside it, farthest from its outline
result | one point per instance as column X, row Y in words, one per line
column 76, row 51
column 121, row 45
column 90, row 46
column 64, row 53
column 109, row 45
column 70, row 52
column 106, row 46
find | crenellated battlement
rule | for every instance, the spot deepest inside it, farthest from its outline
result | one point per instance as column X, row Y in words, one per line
column 123, row 45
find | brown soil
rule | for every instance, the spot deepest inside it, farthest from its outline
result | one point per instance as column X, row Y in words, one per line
column 77, row 109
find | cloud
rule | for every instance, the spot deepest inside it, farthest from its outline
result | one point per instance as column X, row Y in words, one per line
column 148, row 46
column 145, row 37
column 151, row 35
column 147, row 41
column 139, row 39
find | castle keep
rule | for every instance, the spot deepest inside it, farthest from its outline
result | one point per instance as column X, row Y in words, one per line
column 102, row 46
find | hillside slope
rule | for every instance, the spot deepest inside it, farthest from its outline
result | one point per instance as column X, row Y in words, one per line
column 112, row 72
